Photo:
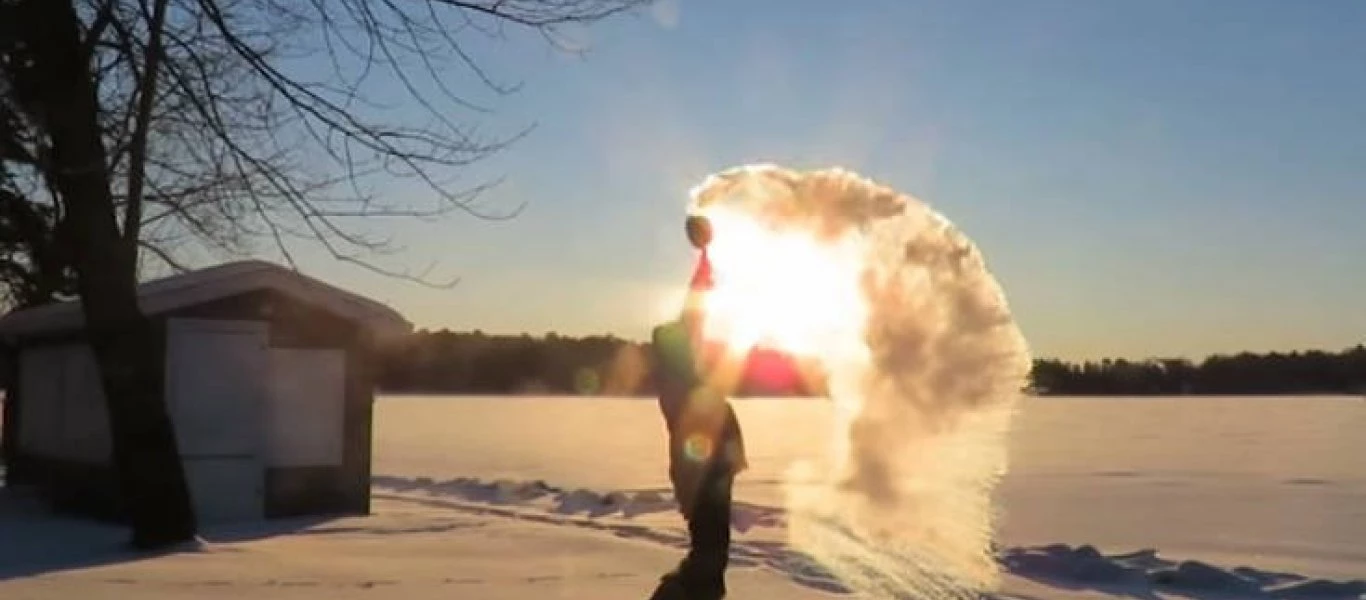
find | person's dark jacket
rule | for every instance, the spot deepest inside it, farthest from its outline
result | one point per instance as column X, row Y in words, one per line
column 703, row 430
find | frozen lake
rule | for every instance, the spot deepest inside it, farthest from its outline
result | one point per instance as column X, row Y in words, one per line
column 1275, row 482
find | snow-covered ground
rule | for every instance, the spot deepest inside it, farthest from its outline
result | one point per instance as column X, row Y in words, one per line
column 523, row 498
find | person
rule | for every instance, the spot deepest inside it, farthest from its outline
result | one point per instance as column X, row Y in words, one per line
column 706, row 447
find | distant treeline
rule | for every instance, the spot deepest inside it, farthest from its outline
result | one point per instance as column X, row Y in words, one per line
column 445, row 362
column 1313, row 372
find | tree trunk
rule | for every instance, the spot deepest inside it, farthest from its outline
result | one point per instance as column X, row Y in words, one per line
column 61, row 89
column 9, row 430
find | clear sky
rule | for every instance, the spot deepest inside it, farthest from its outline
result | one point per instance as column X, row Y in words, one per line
column 1145, row 178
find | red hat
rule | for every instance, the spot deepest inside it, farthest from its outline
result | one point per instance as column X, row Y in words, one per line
column 702, row 283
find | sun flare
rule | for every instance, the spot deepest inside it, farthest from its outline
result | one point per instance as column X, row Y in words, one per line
column 782, row 289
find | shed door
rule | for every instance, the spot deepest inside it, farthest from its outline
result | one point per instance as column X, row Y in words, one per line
column 216, row 383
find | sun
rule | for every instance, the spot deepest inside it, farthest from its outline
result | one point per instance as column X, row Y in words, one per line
column 782, row 289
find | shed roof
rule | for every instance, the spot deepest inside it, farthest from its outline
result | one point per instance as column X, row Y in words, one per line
column 206, row 285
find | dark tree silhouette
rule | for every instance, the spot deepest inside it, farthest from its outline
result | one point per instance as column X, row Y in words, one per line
column 142, row 124
column 35, row 265
column 1313, row 372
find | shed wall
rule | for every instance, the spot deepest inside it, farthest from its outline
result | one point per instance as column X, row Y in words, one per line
column 78, row 482
column 67, row 418
column 300, row 489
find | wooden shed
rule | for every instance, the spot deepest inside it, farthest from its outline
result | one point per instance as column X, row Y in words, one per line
column 268, row 380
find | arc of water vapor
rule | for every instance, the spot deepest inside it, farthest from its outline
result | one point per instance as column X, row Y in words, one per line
column 902, row 508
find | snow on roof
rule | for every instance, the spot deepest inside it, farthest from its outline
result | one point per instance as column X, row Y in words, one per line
column 212, row 283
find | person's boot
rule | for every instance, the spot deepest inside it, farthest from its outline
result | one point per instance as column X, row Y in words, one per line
column 699, row 581
column 670, row 588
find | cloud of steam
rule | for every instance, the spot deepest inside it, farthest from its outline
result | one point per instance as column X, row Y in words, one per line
column 903, row 507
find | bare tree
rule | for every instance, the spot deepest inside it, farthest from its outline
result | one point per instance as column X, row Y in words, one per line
column 145, row 123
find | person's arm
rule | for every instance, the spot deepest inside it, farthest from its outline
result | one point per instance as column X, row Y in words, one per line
column 675, row 376
column 675, row 367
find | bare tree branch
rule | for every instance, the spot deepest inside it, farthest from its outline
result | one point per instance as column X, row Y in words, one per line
column 164, row 257
column 249, row 126
column 145, row 93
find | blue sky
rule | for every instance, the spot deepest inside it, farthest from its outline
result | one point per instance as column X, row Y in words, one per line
column 1145, row 178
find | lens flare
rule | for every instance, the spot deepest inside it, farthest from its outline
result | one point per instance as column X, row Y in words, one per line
column 924, row 362
column 697, row 447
